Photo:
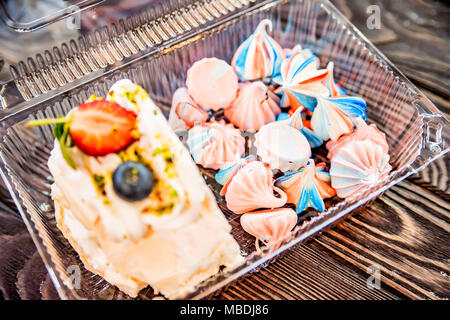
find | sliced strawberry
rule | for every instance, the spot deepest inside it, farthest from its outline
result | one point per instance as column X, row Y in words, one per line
column 101, row 127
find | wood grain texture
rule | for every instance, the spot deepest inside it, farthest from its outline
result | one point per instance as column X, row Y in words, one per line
column 404, row 233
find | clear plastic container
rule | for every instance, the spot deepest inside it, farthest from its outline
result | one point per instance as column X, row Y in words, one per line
column 29, row 15
column 156, row 51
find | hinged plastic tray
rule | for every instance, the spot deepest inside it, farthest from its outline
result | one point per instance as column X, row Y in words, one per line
column 155, row 50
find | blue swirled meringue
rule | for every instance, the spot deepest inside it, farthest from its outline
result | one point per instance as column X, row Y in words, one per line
column 300, row 81
column 333, row 116
column 307, row 187
column 296, row 121
column 259, row 56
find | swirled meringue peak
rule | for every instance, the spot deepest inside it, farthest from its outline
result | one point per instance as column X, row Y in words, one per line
column 300, row 81
column 307, row 187
column 212, row 83
column 254, row 106
column 252, row 188
column 333, row 116
column 361, row 132
column 297, row 48
column 269, row 226
column 296, row 121
column 282, row 146
column 185, row 113
column 358, row 165
column 335, row 89
column 229, row 170
column 215, row 143
column 259, row 56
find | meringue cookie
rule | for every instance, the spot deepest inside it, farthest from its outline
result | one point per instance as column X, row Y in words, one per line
column 185, row 113
column 307, row 187
column 298, row 48
column 212, row 83
column 356, row 166
column 254, row 106
column 228, row 171
column 252, row 188
column 269, row 226
column 333, row 116
column 282, row 146
column 335, row 89
column 361, row 132
column 296, row 121
column 300, row 80
column 215, row 143
column 259, row 56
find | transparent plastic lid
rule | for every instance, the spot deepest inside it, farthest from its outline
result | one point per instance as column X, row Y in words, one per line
column 31, row 15
column 29, row 27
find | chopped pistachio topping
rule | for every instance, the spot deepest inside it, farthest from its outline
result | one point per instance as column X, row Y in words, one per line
column 164, row 197
column 99, row 182
column 131, row 97
column 132, row 153
column 93, row 97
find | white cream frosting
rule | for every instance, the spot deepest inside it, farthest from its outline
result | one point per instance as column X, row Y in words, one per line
column 129, row 245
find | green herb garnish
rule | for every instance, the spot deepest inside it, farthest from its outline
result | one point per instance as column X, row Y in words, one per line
column 99, row 181
column 174, row 193
column 61, row 133
column 130, row 97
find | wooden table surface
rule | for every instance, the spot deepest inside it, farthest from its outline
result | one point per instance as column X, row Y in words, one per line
column 405, row 234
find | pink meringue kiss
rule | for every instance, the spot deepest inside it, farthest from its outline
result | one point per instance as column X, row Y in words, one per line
column 252, row 188
column 282, row 146
column 269, row 226
column 259, row 56
column 228, row 171
column 361, row 132
column 212, row 83
column 356, row 166
column 185, row 113
column 215, row 143
column 254, row 106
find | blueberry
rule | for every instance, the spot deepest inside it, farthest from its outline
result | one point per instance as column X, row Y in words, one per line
column 132, row 181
